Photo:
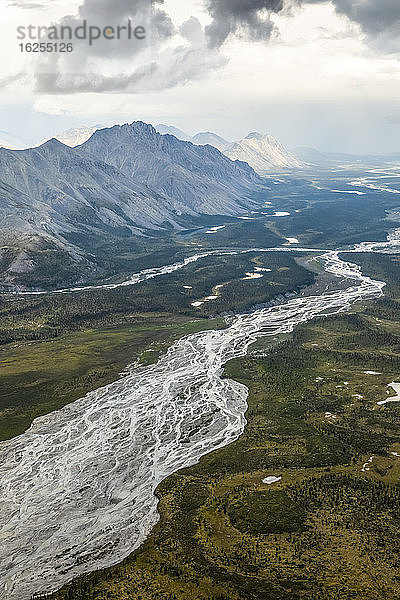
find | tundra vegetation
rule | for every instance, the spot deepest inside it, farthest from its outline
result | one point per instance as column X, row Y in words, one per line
column 55, row 348
column 329, row 528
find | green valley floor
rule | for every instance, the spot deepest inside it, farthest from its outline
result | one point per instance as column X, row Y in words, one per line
column 55, row 348
column 328, row 526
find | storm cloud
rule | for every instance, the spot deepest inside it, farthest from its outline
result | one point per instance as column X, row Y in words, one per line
column 379, row 20
column 250, row 18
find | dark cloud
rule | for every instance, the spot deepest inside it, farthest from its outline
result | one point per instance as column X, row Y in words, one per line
column 379, row 19
column 244, row 17
column 374, row 16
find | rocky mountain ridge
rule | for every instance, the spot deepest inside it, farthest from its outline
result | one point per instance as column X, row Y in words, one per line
column 124, row 182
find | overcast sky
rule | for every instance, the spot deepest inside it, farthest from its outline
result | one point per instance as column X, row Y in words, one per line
column 310, row 72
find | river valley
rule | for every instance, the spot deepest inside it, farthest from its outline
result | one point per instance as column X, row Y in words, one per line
column 77, row 488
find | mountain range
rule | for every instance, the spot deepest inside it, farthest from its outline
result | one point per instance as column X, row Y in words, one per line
column 200, row 139
column 262, row 152
column 57, row 203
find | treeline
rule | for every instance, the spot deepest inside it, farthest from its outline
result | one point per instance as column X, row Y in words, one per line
column 384, row 267
column 48, row 316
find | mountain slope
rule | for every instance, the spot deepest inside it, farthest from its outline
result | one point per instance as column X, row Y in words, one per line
column 207, row 137
column 263, row 153
column 58, row 204
column 196, row 179
column 55, row 203
column 64, row 187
